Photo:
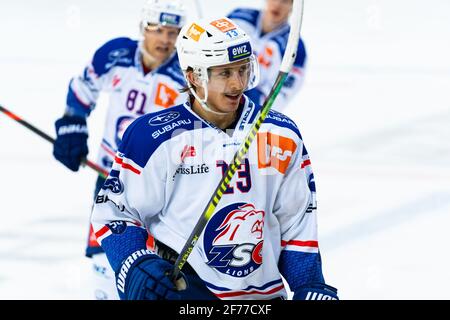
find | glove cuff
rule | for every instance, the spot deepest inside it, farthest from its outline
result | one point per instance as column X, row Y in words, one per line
column 128, row 264
column 316, row 291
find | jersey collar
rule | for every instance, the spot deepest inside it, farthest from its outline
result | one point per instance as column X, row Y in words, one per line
column 247, row 109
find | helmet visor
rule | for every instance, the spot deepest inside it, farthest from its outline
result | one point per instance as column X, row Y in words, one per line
column 234, row 77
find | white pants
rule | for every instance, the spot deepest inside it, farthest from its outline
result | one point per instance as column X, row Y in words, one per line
column 104, row 281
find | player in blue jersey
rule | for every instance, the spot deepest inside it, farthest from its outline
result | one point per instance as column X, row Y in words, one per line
column 169, row 163
column 141, row 76
column 269, row 30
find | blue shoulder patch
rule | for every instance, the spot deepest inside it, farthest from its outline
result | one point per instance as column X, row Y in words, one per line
column 117, row 52
column 148, row 132
column 173, row 70
column 282, row 120
column 282, row 39
column 246, row 14
column 301, row 54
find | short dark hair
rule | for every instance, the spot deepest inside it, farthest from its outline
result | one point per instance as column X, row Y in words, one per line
column 186, row 87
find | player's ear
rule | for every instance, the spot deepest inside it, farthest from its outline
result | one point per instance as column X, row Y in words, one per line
column 193, row 79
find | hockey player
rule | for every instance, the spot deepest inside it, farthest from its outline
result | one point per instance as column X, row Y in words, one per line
column 141, row 76
column 169, row 163
column 269, row 30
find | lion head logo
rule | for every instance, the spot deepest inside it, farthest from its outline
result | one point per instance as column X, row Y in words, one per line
column 233, row 239
column 241, row 225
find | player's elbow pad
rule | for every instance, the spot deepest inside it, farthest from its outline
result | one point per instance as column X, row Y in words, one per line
column 316, row 291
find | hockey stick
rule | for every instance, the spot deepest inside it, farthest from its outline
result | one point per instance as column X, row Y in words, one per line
column 42, row 134
column 286, row 66
column 199, row 9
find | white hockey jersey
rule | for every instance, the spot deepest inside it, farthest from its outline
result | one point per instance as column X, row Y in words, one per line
column 117, row 68
column 165, row 172
column 270, row 48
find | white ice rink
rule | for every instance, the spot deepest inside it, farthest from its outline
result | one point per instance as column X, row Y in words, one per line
column 374, row 113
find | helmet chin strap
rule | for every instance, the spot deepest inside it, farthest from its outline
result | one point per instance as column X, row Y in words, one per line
column 203, row 101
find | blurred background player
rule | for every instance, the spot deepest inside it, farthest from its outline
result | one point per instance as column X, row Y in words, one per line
column 269, row 30
column 141, row 76
column 265, row 226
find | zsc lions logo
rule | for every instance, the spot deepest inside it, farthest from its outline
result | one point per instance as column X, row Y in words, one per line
column 114, row 185
column 233, row 239
column 163, row 118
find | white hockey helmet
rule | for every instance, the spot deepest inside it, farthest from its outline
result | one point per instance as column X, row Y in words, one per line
column 209, row 43
column 169, row 13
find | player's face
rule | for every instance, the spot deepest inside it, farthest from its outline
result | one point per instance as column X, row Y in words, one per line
column 159, row 41
column 226, row 85
column 278, row 11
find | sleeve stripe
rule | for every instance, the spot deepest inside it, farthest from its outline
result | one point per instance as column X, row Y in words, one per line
column 105, row 231
column 80, row 101
column 306, row 163
column 130, row 167
column 299, row 243
column 297, row 70
column 126, row 165
column 101, row 232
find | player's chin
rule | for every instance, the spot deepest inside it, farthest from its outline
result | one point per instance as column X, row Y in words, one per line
column 162, row 54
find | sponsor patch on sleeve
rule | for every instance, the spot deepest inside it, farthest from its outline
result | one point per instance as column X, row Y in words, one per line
column 165, row 96
column 275, row 151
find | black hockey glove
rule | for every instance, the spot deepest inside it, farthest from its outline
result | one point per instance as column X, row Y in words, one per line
column 316, row 291
column 146, row 276
column 70, row 146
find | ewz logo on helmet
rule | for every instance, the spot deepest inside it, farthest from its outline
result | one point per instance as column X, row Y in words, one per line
column 171, row 19
column 240, row 51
